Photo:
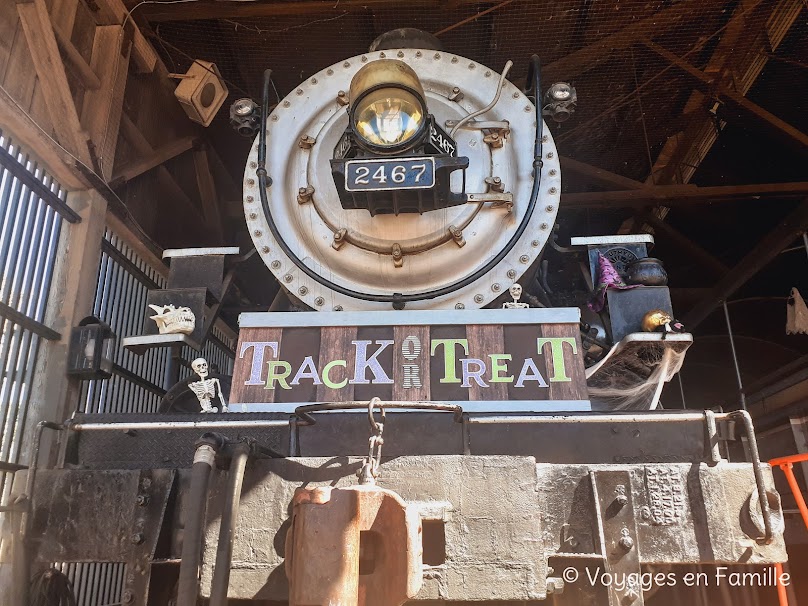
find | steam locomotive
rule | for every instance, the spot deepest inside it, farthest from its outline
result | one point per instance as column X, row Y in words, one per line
column 414, row 428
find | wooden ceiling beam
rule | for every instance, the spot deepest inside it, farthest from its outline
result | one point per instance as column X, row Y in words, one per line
column 50, row 71
column 738, row 106
column 72, row 56
column 761, row 255
column 153, row 159
column 266, row 8
column 207, row 193
column 598, row 176
column 114, row 12
column 682, row 195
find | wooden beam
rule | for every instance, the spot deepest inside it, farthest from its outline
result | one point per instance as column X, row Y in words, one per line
column 599, row 176
column 682, row 195
column 207, row 193
column 764, row 252
column 738, row 106
column 233, row 10
column 22, row 127
column 594, row 54
column 113, row 12
column 52, row 77
column 682, row 242
column 153, row 159
column 76, row 61
column 102, row 109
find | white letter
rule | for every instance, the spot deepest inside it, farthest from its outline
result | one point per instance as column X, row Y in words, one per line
column 307, row 370
column 258, row 358
column 363, row 363
column 533, row 376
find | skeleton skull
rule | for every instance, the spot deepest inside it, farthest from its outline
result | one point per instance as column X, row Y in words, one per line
column 516, row 292
column 171, row 320
column 200, row 366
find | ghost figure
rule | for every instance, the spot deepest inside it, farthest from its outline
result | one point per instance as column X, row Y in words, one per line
column 206, row 389
column 516, row 293
column 172, row 320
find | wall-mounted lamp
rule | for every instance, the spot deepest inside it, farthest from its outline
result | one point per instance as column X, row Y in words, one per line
column 92, row 346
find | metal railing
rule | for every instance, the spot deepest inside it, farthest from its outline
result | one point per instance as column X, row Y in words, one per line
column 32, row 212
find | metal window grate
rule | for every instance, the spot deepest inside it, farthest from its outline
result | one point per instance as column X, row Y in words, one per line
column 95, row 583
column 30, row 227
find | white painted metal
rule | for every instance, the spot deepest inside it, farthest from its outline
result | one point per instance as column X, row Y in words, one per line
column 312, row 110
column 612, row 240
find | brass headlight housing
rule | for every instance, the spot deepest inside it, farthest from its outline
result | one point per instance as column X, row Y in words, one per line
column 387, row 108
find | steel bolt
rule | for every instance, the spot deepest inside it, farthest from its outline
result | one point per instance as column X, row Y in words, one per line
column 275, row 264
column 258, row 233
column 511, row 274
column 535, row 243
column 337, row 307
column 542, row 226
column 142, row 500
column 524, row 258
column 274, row 117
column 137, row 538
column 553, row 190
column 553, row 172
column 549, row 208
column 128, row 596
column 549, row 154
column 626, row 543
column 288, row 278
column 454, row 59
column 330, row 72
column 303, row 291
column 287, row 103
column 400, row 54
column 250, row 181
column 496, row 287
column 418, row 54
column 250, row 199
column 478, row 298
column 459, row 306
column 516, row 95
column 253, row 165
column 319, row 301
column 265, row 249
column 621, row 499
column 253, row 215
column 346, row 64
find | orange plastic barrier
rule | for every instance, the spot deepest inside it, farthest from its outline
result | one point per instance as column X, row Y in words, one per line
column 787, row 465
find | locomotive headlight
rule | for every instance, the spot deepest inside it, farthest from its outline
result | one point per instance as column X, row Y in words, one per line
column 387, row 108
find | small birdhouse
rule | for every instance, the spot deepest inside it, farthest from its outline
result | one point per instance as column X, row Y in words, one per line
column 91, row 351
column 201, row 91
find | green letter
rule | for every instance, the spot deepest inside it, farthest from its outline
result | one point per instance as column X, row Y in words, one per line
column 275, row 375
column 497, row 366
column 556, row 347
column 327, row 380
column 449, row 375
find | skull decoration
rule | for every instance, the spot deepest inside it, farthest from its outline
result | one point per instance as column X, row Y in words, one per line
column 200, row 367
column 172, row 320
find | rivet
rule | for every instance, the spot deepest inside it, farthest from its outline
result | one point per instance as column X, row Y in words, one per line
column 253, row 215
column 253, row 165
column 137, row 538
column 553, row 190
column 418, row 54
column 524, row 258
column 265, row 249
column 319, row 301
column 549, row 208
column 330, row 72
column 454, row 59
column 535, row 243
column 544, row 139
column 274, row 117
column 250, row 182
column 436, row 56
column 400, row 54
column 275, row 264
column 303, row 291
column 314, row 80
column 258, row 233
column 287, row 103
column 478, row 298
column 382, row 55
column 337, row 307
column 511, row 274
column 516, row 95
column 459, row 306
column 496, row 287
column 472, row 66
column 553, row 172
column 346, row 64
column 364, row 59
column 527, row 108
column 250, row 199
column 487, row 74
column 299, row 91
column 550, row 154
column 542, row 226
column 288, row 278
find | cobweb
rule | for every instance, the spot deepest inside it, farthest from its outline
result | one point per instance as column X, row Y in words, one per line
column 632, row 378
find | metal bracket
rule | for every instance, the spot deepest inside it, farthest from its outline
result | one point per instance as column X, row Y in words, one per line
column 457, row 236
column 305, row 194
column 504, row 199
column 618, row 533
column 339, row 238
column 398, row 256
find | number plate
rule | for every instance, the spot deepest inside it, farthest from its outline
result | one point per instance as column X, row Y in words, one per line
column 392, row 174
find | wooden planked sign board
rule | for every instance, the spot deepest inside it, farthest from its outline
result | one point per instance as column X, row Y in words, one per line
column 485, row 360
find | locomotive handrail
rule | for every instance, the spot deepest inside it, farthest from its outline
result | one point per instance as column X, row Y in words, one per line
column 398, row 300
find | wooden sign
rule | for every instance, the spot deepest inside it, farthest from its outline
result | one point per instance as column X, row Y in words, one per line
column 485, row 360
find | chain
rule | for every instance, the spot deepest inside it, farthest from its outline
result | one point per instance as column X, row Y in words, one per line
column 370, row 469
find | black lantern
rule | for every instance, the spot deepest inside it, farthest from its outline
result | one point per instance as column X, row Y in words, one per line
column 92, row 345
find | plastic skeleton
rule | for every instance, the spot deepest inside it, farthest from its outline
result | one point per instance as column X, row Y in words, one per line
column 516, row 292
column 206, row 389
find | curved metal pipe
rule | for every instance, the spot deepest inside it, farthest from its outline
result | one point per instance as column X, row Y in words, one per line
column 224, row 549
column 206, row 449
column 534, row 76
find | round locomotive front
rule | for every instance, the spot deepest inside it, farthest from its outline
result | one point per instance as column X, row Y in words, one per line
column 385, row 191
